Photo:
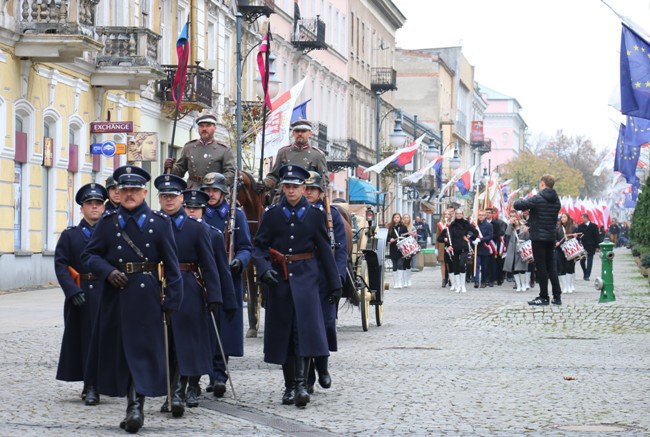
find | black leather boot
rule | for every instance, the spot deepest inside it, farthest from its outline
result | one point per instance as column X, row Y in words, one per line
column 92, row 397
column 179, row 384
column 311, row 375
column 134, row 411
column 324, row 378
column 288, row 370
column 301, row 396
column 193, row 391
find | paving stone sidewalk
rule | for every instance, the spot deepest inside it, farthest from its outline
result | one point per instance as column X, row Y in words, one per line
column 478, row 363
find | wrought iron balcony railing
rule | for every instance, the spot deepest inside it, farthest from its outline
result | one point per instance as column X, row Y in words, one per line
column 128, row 46
column 383, row 79
column 309, row 34
column 253, row 9
column 197, row 94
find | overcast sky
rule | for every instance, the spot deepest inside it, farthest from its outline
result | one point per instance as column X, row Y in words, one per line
column 558, row 58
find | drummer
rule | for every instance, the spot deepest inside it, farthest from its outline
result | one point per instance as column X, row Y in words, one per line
column 566, row 269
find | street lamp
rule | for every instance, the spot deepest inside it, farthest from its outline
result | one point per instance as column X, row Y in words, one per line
column 398, row 136
column 454, row 162
column 274, row 81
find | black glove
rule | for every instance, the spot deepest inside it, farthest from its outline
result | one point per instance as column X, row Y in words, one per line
column 261, row 186
column 169, row 163
column 117, row 279
column 213, row 307
column 335, row 295
column 235, row 267
column 230, row 314
column 270, row 278
column 78, row 299
column 168, row 315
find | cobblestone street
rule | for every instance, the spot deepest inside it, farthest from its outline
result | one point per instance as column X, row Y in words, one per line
column 479, row 363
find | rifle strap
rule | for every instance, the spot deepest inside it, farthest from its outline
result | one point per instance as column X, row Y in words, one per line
column 128, row 240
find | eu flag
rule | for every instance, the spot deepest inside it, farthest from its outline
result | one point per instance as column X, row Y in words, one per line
column 627, row 157
column 637, row 131
column 619, row 148
column 635, row 74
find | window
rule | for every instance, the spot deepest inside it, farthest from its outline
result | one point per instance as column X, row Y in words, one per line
column 21, row 136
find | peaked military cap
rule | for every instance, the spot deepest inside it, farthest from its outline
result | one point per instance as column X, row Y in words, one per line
column 169, row 183
column 131, row 176
column 215, row 180
column 195, row 198
column 110, row 183
column 293, row 174
column 314, row 180
column 207, row 118
column 301, row 125
column 91, row 191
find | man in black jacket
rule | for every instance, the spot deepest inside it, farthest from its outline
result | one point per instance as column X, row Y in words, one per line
column 590, row 239
column 544, row 208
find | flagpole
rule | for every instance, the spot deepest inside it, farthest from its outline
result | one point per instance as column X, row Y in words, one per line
column 265, row 83
column 180, row 90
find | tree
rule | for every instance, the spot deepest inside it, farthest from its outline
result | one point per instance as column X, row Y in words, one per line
column 640, row 227
column 527, row 169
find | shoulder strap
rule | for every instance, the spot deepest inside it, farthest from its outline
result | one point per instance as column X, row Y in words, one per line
column 128, row 240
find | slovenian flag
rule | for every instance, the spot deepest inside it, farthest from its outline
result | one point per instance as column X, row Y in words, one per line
column 464, row 182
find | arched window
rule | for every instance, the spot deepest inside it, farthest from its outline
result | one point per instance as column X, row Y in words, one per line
column 51, row 143
column 23, row 155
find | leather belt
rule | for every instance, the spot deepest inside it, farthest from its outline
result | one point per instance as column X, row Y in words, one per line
column 129, row 268
column 188, row 267
column 196, row 178
column 299, row 256
column 87, row 277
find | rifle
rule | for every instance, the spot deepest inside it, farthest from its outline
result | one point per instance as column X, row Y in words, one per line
column 232, row 217
column 329, row 221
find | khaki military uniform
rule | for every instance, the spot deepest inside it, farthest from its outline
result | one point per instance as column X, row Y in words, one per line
column 308, row 157
column 199, row 159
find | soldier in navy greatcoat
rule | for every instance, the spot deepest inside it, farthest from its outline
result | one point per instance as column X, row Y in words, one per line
column 218, row 214
column 113, row 201
column 195, row 203
column 291, row 240
column 125, row 251
column 82, row 290
column 329, row 303
column 190, row 351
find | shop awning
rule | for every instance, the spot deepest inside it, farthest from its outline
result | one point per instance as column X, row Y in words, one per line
column 363, row 192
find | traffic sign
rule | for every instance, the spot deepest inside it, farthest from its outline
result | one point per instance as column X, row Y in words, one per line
column 108, row 148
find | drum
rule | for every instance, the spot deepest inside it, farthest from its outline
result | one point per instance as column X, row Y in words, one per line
column 573, row 249
column 526, row 251
column 408, row 246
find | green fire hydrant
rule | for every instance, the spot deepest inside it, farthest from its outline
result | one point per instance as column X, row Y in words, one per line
column 606, row 281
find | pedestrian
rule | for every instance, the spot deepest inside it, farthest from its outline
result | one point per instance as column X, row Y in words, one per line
column 543, row 210
column 614, row 231
column 483, row 249
column 589, row 236
column 498, row 233
column 300, row 152
column 460, row 233
column 396, row 230
column 517, row 233
column 190, row 352
column 82, row 291
column 291, row 246
column 444, row 247
column 204, row 155
column 566, row 230
column 113, row 201
column 218, row 214
column 409, row 263
column 314, row 194
column 125, row 250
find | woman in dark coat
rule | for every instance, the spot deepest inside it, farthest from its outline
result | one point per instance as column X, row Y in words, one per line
column 461, row 232
column 396, row 229
column 517, row 233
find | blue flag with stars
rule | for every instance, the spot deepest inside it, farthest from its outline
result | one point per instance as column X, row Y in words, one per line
column 619, row 148
column 627, row 156
column 635, row 74
column 637, row 131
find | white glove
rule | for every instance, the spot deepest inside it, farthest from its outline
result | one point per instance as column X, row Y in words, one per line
column 476, row 242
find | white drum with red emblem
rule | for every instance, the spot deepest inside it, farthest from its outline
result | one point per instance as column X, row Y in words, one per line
column 408, row 246
column 573, row 249
column 526, row 251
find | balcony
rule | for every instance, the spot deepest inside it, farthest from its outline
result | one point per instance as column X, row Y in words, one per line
column 383, row 79
column 254, row 9
column 129, row 59
column 321, row 136
column 309, row 34
column 57, row 31
column 482, row 146
column 342, row 154
column 197, row 94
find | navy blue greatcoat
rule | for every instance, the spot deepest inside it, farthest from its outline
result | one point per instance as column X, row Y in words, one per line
column 190, row 324
column 295, row 230
column 341, row 257
column 233, row 331
column 78, row 321
column 129, row 325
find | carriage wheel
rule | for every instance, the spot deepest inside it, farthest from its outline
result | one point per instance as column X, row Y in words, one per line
column 362, row 284
column 379, row 313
